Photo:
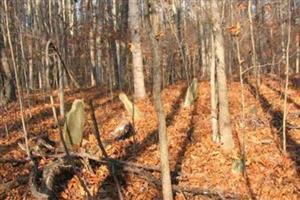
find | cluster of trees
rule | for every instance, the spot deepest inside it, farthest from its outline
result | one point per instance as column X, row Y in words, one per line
column 105, row 42
column 135, row 44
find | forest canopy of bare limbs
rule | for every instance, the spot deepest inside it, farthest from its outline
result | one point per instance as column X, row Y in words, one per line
column 150, row 99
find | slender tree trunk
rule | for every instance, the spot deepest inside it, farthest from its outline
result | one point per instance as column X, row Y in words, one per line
column 163, row 140
column 123, row 27
column 112, row 45
column 70, row 11
column 61, row 89
column 242, row 124
column 272, row 51
column 30, row 46
column 213, row 92
column 224, row 115
column 17, row 79
column 285, row 111
column 283, row 36
column 298, row 54
column 254, row 55
column 8, row 93
column 137, row 56
column 92, row 50
column 99, row 68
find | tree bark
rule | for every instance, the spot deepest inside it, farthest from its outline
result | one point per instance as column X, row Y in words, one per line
column 113, row 44
column 286, row 87
column 163, row 140
column 92, row 48
column 137, row 56
column 213, row 93
column 7, row 93
column 254, row 55
column 298, row 53
column 224, row 115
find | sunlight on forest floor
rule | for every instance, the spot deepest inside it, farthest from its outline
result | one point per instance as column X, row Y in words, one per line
column 194, row 159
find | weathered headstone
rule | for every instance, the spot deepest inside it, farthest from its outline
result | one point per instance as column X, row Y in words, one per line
column 238, row 166
column 130, row 107
column 74, row 124
column 191, row 93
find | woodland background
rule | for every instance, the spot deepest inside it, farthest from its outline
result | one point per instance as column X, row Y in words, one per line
column 238, row 139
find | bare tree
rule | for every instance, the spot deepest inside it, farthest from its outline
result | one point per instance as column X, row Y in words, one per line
column 254, row 56
column 224, row 115
column 298, row 53
column 17, row 78
column 7, row 91
column 137, row 56
column 213, row 93
column 287, row 66
column 163, row 140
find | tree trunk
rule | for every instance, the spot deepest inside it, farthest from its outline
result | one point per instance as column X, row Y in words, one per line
column 224, row 115
column 163, row 140
column 61, row 89
column 137, row 56
column 17, row 79
column 113, row 45
column 298, row 53
column 287, row 65
column 254, row 56
column 213, row 93
column 92, row 50
column 7, row 92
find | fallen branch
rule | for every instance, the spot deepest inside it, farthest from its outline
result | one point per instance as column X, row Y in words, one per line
column 104, row 161
column 140, row 170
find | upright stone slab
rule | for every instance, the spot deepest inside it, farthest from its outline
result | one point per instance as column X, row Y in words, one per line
column 74, row 124
column 130, row 107
column 191, row 93
column 238, row 166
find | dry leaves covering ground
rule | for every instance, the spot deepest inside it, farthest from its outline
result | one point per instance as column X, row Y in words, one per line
column 195, row 161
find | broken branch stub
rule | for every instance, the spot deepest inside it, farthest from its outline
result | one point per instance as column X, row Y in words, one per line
column 74, row 124
column 132, row 109
column 122, row 131
column 191, row 93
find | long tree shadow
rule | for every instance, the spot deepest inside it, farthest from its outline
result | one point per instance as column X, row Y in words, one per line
column 294, row 81
column 152, row 138
column 245, row 174
column 46, row 113
column 280, row 93
column 39, row 117
column 188, row 139
column 31, row 132
column 293, row 147
column 138, row 148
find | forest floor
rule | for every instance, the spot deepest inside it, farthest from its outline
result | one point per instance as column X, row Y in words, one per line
column 196, row 162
